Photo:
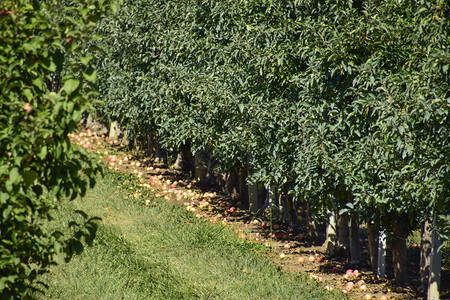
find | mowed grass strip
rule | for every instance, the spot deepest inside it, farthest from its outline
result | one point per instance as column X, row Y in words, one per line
column 164, row 252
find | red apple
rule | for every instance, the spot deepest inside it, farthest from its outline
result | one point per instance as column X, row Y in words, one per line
column 301, row 260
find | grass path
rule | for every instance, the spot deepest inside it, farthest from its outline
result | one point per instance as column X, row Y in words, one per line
column 164, row 252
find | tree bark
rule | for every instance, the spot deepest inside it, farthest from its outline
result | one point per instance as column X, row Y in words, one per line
column 355, row 245
column 160, row 155
column 435, row 264
column 243, row 189
column 311, row 224
column 372, row 236
column 381, row 262
column 343, row 231
column 399, row 252
column 253, row 199
column 185, row 160
column 292, row 211
column 114, row 130
column 210, row 177
column 200, row 170
column 232, row 183
column 331, row 240
column 152, row 144
column 425, row 254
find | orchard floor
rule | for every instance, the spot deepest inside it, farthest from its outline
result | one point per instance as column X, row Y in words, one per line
column 284, row 249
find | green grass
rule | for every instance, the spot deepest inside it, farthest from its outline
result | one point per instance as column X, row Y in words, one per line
column 164, row 252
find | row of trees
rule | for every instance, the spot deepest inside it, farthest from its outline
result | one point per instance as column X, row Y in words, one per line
column 46, row 83
column 343, row 105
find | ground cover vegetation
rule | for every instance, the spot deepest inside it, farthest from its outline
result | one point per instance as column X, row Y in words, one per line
column 342, row 106
column 151, row 248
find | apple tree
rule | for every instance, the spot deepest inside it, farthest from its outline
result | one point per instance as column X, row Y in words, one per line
column 46, row 83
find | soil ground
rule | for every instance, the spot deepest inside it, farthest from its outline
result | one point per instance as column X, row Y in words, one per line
column 287, row 249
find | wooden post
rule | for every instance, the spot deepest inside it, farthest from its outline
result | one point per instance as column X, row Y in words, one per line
column 382, row 255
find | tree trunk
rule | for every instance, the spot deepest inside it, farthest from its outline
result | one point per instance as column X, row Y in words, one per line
column 282, row 206
column 268, row 200
column 114, row 131
column 372, row 237
column 330, row 242
column 210, row 177
column 311, row 224
column 381, row 268
column 425, row 254
column 435, row 264
column 343, row 231
column 185, row 160
column 399, row 252
column 160, row 155
column 292, row 211
column 200, row 170
column 355, row 245
column 243, row 189
column 253, row 199
column 232, row 183
column 152, row 144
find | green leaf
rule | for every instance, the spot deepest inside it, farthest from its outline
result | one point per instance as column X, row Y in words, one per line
column 14, row 175
column 29, row 177
column 241, row 107
column 48, row 64
column 90, row 75
column 85, row 60
column 42, row 154
column 28, row 94
column 71, row 85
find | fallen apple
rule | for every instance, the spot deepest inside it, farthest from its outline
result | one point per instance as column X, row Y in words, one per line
column 301, row 260
column 311, row 259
